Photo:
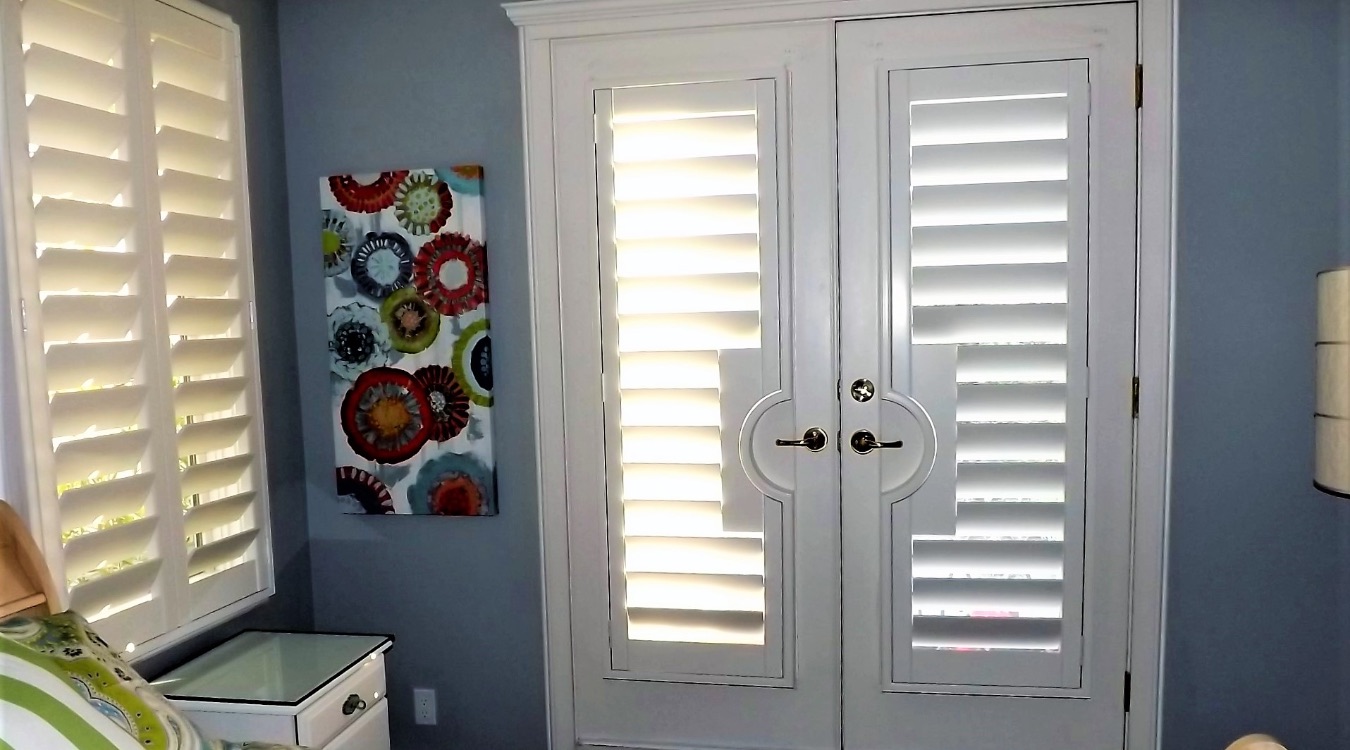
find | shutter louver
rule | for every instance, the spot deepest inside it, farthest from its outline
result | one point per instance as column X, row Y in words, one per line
column 685, row 192
column 991, row 156
column 137, row 297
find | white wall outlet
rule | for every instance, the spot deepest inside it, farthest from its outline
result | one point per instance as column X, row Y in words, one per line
column 424, row 705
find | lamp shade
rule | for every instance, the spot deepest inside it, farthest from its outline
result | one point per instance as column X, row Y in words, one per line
column 1331, row 472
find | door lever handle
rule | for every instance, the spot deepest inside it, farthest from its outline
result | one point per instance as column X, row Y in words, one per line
column 863, row 442
column 813, row 440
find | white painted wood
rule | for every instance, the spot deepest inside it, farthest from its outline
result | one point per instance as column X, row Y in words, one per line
column 370, row 732
column 324, row 719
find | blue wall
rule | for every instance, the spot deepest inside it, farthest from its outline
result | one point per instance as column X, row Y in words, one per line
column 291, row 608
column 419, row 83
column 1255, row 630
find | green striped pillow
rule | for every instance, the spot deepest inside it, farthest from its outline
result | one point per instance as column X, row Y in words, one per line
column 40, row 708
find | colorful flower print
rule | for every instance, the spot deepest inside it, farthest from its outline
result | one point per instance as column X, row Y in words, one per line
column 386, row 416
column 422, row 204
column 466, row 179
column 357, row 340
column 411, row 322
column 473, row 362
column 454, row 485
column 337, row 245
column 366, row 489
column 450, row 272
column 382, row 263
column 449, row 403
column 366, row 197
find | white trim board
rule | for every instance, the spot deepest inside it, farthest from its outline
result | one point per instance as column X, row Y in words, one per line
column 542, row 21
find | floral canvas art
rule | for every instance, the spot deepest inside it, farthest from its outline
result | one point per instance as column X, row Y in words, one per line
column 408, row 341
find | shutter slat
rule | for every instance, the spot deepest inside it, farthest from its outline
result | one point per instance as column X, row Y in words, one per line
column 689, row 332
column 994, row 324
column 187, row 68
column 989, row 121
column 693, row 138
column 72, row 127
column 1043, row 520
column 980, row 163
column 61, row 75
column 726, row 556
column 687, row 217
column 697, row 592
column 83, row 506
column 672, row 445
column 1013, row 481
column 210, row 436
column 951, row 558
column 696, row 482
column 79, row 224
column 690, row 294
column 210, row 516
column 682, row 102
column 1016, row 633
column 207, row 396
column 1011, row 364
column 194, row 358
column 1010, row 442
column 98, row 410
column 87, row 271
column 982, row 598
column 71, row 366
column 672, row 518
column 115, row 590
column 1005, row 203
column 200, row 479
column 62, row 26
column 685, row 256
column 68, row 317
column 639, row 370
column 1003, row 402
column 687, row 178
column 187, row 30
column 672, row 408
column 1032, row 242
column 185, row 151
column 189, row 276
column 202, row 236
column 78, row 460
column 70, row 174
column 93, row 550
column 188, row 193
column 1032, row 283
column 210, row 556
column 183, row 110
column 696, row 626
column 203, row 317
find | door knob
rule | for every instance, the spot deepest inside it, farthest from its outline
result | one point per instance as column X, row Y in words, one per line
column 813, row 440
column 863, row 441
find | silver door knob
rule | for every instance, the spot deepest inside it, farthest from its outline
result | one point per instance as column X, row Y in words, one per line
column 813, row 440
column 863, row 442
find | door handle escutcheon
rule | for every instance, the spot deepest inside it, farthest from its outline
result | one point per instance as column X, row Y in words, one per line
column 813, row 440
column 863, row 441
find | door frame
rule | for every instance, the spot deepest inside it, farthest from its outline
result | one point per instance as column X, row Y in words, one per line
column 543, row 21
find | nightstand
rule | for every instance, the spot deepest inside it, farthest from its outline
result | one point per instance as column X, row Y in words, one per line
column 323, row 691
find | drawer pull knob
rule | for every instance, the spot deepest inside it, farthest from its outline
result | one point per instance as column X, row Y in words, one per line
column 353, row 704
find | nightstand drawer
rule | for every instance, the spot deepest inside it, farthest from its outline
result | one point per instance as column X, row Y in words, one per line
column 336, row 709
column 370, row 732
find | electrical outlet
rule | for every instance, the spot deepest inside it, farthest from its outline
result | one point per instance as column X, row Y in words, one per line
column 424, row 705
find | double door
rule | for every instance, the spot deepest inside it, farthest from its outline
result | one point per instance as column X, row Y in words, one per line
column 847, row 323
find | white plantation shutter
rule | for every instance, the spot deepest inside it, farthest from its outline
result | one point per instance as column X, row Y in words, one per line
column 135, row 280
column 997, row 165
column 686, row 192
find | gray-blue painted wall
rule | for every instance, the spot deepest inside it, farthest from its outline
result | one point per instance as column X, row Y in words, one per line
column 418, row 83
column 1255, row 631
column 1258, row 600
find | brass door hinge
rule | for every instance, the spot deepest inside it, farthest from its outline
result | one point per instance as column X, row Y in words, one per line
column 1139, row 86
column 1134, row 397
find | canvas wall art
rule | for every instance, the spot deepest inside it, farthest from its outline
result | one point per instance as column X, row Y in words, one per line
column 408, row 341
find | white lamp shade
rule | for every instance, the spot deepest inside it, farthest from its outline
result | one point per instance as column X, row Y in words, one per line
column 1331, row 472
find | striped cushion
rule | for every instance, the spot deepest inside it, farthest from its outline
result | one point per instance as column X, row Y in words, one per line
column 40, row 708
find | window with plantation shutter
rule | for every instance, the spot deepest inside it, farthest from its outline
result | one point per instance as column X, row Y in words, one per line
column 123, row 122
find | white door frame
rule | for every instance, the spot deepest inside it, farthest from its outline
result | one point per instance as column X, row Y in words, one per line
column 542, row 21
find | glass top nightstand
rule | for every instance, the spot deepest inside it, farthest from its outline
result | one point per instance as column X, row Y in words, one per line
column 270, row 668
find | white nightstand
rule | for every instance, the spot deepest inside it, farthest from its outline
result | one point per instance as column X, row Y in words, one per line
column 323, row 691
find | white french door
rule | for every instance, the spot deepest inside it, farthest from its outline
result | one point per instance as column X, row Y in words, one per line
column 846, row 342
column 987, row 255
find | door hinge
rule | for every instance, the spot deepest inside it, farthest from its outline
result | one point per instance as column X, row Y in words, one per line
column 23, row 315
column 1139, row 86
column 1127, row 691
column 1134, row 397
